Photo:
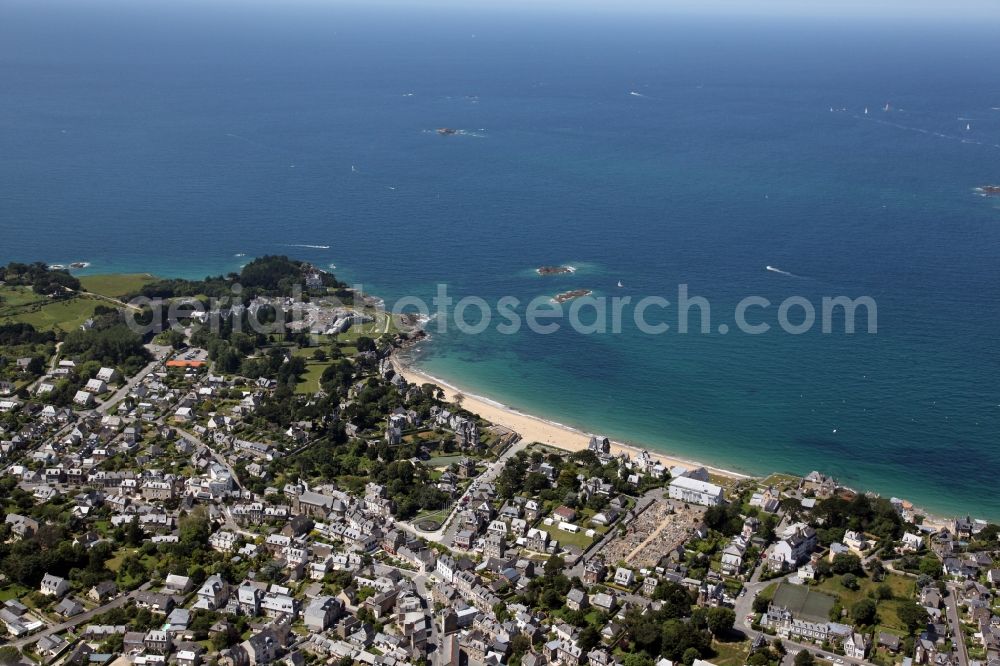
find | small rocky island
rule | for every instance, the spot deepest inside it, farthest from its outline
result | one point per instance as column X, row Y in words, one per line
column 570, row 295
column 554, row 270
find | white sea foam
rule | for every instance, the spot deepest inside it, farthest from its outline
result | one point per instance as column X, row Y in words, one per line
column 311, row 247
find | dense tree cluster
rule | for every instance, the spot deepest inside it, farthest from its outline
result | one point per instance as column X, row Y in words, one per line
column 676, row 631
column 109, row 342
column 23, row 334
column 39, row 277
column 269, row 276
column 862, row 513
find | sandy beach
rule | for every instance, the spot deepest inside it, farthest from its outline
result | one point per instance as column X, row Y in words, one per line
column 535, row 429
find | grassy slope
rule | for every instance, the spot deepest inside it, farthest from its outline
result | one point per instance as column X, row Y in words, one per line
column 115, row 286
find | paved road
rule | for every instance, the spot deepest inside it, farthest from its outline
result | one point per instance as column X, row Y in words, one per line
column 79, row 619
column 958, row 636
column 449, row 528
column 161, row 353
column 221, row 459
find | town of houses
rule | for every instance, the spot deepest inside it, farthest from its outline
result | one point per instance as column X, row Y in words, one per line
column 539, row 556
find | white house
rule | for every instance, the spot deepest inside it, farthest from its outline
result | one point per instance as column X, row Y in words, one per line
column 694, row 491
column 797, row 543
column 624, row 577
column 912, row 542
column 107, row 375
column 54, row 586
column 95, row 385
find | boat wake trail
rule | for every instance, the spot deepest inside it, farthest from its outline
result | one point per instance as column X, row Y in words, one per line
column 311, row 247
column 775, row 269
column 938, row 135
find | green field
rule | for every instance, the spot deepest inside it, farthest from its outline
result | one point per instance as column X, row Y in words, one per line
column 730, row 654
column 804, row 602
column 47, row 314
column 115, row 286
column 310, row 380
column 578, row 539
column 902, row 587
column 12, row 298
column 442, row 461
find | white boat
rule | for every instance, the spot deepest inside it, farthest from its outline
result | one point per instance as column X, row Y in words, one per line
column 968, row 127
column 866, row 110
column 620, row 283
column 886, row 109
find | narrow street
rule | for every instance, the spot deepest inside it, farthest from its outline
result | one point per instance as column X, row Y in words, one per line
column 78, row 619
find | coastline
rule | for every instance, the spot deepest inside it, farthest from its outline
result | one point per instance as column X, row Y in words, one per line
column 536, row 429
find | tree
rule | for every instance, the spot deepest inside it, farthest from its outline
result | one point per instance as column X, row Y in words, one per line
column 760, row 604
column 778, row 647
column 844, row 563
column 850, row 581
column 863, row 612
column 500, row 612
column 554, row 565
column 637, row 659
column 804, row 658
column 720, row 620
column 883, row 592
column 930, row 566
column 878, row 570
column 9, row 655
column 913, row 615
column 194, row 528
column 134, row 535
column 690, row 655
column 590, row 638
column 519, row 645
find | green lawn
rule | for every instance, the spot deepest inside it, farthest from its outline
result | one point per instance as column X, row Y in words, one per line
column 440, row 515
column 730, row 654
column 15, row 297
column 64, row 314
column 442, row 461
column 578, row 539
column 310, row 380
column 888, row 618
column 116, row 286
column 902, row 587
column 12, row 591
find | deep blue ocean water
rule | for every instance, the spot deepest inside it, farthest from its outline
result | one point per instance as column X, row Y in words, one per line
column 169, row 139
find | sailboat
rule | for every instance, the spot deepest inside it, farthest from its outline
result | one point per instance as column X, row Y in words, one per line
column 886, row 109
column 968, row 127
column 866, row 110
column 620, row 283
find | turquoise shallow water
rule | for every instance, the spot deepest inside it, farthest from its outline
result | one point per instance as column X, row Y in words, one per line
column 170, row 139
